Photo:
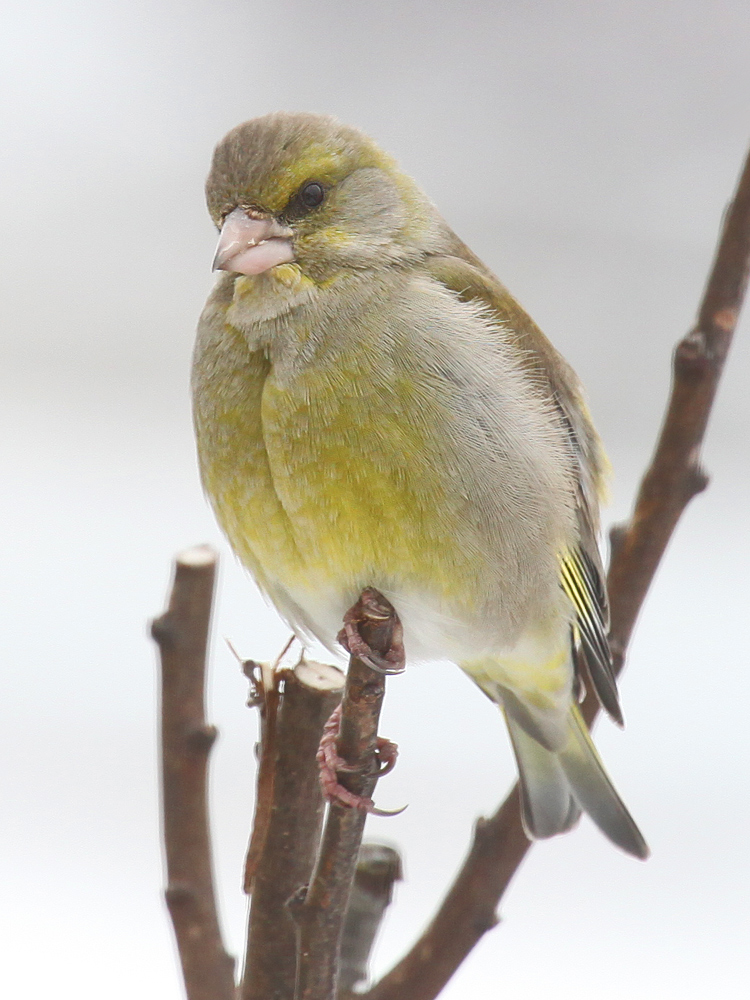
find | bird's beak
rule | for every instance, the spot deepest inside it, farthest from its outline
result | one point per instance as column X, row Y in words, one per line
column 250, row 245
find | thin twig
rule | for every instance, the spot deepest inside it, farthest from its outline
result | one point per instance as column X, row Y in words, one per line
column 181, row 634
column 295, row 816
column 320, row 912
column 672, row 479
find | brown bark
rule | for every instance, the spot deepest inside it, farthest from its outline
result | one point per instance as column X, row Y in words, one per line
column 181, row 634
column 295, row 816
column 320, row 912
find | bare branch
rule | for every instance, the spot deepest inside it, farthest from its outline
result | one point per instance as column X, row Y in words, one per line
column 320, row 912
column 294, row 820
column 672, row 479
column 181, row 634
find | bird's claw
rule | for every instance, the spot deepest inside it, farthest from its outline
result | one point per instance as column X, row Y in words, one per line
column 353, row 643
column 330, row 764
column 387, row 753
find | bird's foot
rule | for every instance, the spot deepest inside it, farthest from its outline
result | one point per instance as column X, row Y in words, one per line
column 330, row 764
column 392, row 662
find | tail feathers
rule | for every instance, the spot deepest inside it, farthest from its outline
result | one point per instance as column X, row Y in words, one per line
column 546, row 801
column 555, row 787
column 595, row 793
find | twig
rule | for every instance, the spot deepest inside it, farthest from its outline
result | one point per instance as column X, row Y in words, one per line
column 181, row 634
column 672, row 479
column 320, row 912
column 295, row 816
column 378, row 868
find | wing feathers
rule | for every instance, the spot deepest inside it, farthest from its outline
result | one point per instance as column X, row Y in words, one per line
column 458, row 269
column 581, row 582
column 560, row 779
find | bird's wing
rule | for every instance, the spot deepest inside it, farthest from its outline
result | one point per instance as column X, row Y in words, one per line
column 582, row 573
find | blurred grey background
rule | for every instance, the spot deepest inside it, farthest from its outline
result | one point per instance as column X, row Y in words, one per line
column 586, row 152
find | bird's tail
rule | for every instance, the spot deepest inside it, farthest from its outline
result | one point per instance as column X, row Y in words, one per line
column 557, row 785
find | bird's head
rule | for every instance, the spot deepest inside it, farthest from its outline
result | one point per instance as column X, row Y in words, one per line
column 305, row 189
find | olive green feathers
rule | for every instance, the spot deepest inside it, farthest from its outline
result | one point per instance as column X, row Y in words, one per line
column 373, row 408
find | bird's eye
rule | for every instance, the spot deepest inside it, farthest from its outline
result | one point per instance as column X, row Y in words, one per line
column 312, row 194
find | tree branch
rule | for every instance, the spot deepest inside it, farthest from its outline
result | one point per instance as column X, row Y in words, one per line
column 181, row 634
column 295, row 816
column 672, row 479
column 320, row 912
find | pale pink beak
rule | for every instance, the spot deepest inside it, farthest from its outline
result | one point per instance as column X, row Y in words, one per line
column 252, row 245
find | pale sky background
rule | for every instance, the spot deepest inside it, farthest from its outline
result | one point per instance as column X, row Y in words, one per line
column 586, row 151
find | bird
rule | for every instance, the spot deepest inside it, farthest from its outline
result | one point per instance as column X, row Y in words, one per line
column 373, row 408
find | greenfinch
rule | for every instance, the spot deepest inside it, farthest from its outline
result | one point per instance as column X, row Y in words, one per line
column 374, row 409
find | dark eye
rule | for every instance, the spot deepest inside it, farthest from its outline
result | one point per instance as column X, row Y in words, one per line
column 312, row 194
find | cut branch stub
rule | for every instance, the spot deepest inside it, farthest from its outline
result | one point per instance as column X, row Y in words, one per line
column 294, row 818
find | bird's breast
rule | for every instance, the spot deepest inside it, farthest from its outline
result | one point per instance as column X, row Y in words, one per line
column 333, row 478
column 377, row 450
